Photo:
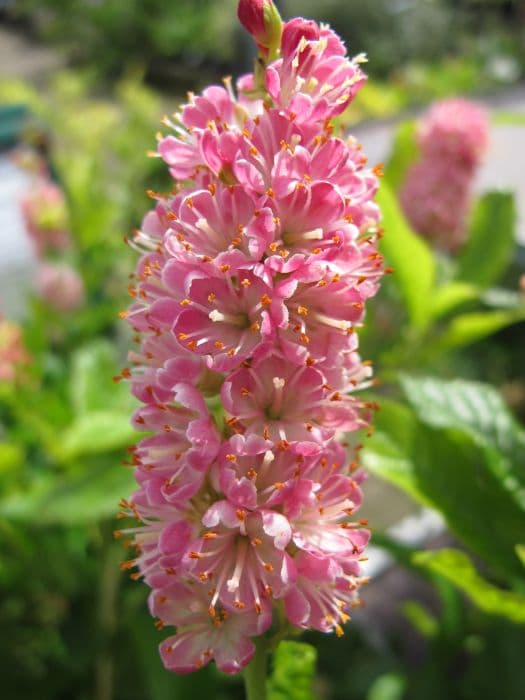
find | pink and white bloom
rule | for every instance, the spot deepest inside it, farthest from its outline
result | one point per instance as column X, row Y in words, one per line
column 254, row 274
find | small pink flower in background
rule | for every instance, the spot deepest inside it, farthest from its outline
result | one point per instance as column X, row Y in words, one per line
column 46, row 217
column 252, row 283
column 60, row 287
column 437, row 193
column 13, row 354
column 455, row 129
column 437, row 199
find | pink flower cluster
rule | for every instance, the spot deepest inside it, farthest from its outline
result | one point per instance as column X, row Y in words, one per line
column 13, row 354
column 44, row 208
column 437, row 193
column 254, row 275
column 45, row 214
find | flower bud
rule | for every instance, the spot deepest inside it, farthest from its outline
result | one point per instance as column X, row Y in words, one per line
column 262, row 20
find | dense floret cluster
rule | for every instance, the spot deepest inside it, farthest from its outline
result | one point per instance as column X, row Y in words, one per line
column 253, row 278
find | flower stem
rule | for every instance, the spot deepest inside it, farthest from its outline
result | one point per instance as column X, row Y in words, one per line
column 255, row 673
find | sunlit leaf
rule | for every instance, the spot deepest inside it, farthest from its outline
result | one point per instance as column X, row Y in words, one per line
column 459, row 570
column 449, row 296
column 404, row 153
column 412, row 259
column 469, row 328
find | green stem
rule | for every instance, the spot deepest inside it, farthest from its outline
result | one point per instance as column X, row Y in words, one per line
column 255, row 673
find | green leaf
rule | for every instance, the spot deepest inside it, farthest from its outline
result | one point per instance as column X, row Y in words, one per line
column 11, row 457
column 472, row 327
column 449, row 296
column 478, row 410
column 447, row 470
column 457, row 568
column 404, row 153
column 413, row 262
column 452, row 472
column 425, row 623
column 93, row 367
column 95, row 432
column 520, row 551
column 491, row 240
column 293, row 672
column 389, row 686
column 74, row 500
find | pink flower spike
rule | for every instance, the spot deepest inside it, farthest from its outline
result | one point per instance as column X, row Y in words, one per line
column 255, row 269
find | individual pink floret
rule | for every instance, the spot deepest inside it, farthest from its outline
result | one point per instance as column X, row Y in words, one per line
column 224, row 636
column 314, row 79
column 279, row 401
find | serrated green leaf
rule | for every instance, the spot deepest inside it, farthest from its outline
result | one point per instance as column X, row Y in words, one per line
column 480, row 411
column 96, row 432
column 457, row 568
column 491, row 240
column 72, row 500
column 451, row 470
column 412, row 259
column 293, row 672
column 448, row 470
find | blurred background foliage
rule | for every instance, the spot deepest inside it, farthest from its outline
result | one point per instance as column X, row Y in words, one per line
column 446, row 335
